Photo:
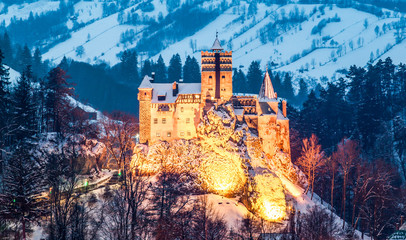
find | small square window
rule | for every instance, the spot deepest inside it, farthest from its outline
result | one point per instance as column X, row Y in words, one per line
column 188, row 133
column 169, row 134
column 182, row 134
column 155, row 120
column 187, row 120
column 158, row 134
column 163, row 120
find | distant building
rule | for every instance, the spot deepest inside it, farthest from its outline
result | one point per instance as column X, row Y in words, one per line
column 173, row 110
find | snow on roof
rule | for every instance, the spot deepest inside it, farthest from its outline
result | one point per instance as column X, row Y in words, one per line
column 146, row 82
column 162, row 89
column 239, row 111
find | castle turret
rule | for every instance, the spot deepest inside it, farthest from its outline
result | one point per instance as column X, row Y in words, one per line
column 144, row 98
column 216, row 73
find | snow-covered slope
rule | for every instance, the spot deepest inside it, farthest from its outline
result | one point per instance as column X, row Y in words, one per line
column 356, row 38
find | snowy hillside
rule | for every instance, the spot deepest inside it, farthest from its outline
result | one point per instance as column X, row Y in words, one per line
column 345, row 36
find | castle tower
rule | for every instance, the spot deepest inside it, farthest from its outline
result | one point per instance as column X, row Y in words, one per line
column 216, row 74
column 144, row 98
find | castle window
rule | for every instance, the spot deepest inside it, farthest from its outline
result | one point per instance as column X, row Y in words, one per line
column 223, row 77
column 182, row 134
column 158, row 134
column 181, row 109
column 155, row 120
column 163, row 120
column 169, row 134
column 188, row 133
column 210, row 80
column 187, row 120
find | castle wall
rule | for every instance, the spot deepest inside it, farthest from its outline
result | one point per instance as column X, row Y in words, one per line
column 162, row 124
column 187, row 116
column 274, row 134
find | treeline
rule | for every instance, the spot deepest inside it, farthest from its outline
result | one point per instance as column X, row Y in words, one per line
column 361, row 166
column 282, row 83
column 186, row 20
column 42, row 30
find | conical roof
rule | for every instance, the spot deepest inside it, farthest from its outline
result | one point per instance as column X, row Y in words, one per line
column 267, row 88
column 216, row 44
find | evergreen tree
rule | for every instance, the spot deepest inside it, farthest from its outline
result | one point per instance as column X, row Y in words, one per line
column 129, row 66
column 254, row 77
column 310, row 118
column 23, row 182
column 64, row 65
column 146, row 69
column 7, row 49
column 303, row 91
column 277, row 84
column 175, row 68
column 239, row 82
column 288, row 88
column 25, row 58
column 24, row 114
column 191, row 70
column 56, row 103
column 5, row 101
column 160, row 70
column 37, row 67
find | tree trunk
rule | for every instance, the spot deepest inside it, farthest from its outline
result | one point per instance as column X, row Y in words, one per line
column 332, row 192
column 344, row 200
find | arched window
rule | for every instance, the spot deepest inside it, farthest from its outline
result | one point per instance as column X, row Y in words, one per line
column 210, row 80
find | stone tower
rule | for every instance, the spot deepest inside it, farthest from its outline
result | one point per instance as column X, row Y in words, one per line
column 144, row 98
column 216, row 74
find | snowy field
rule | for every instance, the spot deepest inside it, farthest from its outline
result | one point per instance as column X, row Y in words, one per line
column 354, row 41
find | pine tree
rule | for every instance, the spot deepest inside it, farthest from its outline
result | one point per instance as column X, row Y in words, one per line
column 64, row 65
column 160, row 70
column 129, row 66
column 191, row 70
column 37, row 66
column 57, row 105
column 254, row 77
column 23, row 182
column 24, row 114
column 146, row 69
column 277, row 84
column 288, row 88
column 25, row 58
column 5, row 101
column 239, row 82
column 303, row 91
column 175, row 68
column 7, row 49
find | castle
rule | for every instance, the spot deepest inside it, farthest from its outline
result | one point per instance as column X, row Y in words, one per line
column 173, row 110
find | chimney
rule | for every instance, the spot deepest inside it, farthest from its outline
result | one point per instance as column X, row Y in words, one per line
column 175, row 89
column 153, row 77
column 284, row 108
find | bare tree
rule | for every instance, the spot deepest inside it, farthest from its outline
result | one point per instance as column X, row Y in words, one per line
column 332, row 167
column 119, row 131
column 346, row 155
column 207, row 224
column 317, row 224
column 311, row 160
